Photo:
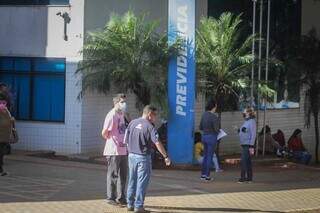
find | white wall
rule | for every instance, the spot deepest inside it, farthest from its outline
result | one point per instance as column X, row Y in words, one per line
column 286, row 119
column 95, row 106
column 38, row 32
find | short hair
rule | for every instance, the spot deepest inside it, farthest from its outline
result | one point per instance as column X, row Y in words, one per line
column 211, row 104
column 149, row 108
column 3, row 97
column 116, row 99
column 197, row 137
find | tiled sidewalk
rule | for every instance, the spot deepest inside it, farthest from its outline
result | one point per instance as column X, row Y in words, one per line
column 38, row 185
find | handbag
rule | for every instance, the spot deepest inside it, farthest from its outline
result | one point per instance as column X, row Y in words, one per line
column 14, row 137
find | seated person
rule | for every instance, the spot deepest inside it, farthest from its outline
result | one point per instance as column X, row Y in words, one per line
column 198, row 152
column 271, row 146
column 279, row 137
column 295, row 145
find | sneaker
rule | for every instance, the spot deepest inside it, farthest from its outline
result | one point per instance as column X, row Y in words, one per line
column 241, row 181
column 130, row 209
column 4, row 173
column 208, row 179
column 141, row 210
column 203, row 177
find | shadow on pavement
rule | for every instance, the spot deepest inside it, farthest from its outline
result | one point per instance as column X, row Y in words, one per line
column 205, row 209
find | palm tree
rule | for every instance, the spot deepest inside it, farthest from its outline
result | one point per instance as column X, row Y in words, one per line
column 130, row 55
column 222, row 58
column 308, row 61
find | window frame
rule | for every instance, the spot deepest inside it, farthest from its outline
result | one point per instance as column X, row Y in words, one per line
column 35, row 5
column 31, row 75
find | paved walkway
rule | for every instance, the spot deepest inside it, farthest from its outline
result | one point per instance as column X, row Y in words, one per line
column 38, row 185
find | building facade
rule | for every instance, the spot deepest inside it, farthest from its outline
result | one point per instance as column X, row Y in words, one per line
column 40, row 44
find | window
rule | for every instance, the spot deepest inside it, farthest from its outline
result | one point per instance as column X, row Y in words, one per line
column 34, row 2
column 37, row 86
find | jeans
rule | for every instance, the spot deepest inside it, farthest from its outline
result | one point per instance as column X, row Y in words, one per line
column 246, row 164
column 117, row 169
column 302, row 156
column 209, row 146
column 139, row 177
column 214, row 160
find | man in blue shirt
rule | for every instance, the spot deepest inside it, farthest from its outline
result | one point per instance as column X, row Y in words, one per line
column 140, row 135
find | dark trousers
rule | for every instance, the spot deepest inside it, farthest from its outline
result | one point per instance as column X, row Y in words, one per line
column 1, row 162
column 302, row 156
column 3, row 151
column 117, row 170
column 209, row 146
column 246, row 164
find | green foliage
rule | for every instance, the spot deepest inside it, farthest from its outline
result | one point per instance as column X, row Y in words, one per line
column 130, row 55
column 223, row 59
column 265, row 91
column 307, row 65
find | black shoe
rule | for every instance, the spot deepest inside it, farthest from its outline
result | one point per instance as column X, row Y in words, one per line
column 130, row 209
column 241, row 180
column 4, row 173
column 249, row 180
column 208, row 179
column 141, row 210
column 121, row 203
column 112, row 202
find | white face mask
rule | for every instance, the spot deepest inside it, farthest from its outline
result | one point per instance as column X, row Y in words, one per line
column 123, row 106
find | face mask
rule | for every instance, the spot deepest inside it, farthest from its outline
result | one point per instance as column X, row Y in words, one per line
column 123, row 106
column 3, row 106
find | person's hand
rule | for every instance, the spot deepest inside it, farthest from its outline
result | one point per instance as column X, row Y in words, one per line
column 167, row 161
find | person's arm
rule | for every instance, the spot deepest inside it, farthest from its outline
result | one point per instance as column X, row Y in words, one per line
column 126, row 135
column 107, row 126
column 159, row 146
column 216, row 123
column 253, row 130
column 161, row 149
column 163, row 152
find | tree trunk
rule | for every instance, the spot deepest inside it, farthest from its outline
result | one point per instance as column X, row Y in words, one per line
column 316, row 126
column 220, row 101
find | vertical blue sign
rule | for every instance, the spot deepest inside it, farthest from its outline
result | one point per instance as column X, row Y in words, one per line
column 181, row 85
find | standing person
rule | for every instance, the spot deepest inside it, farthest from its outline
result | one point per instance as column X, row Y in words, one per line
column 5, row 131
column 5, row 92
column 209, row 125
column 140, row 135
column 247, row 134
column 115, row 151
column 198, row 152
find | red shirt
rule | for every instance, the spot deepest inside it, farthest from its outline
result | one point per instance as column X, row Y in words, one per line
column 296, row 144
